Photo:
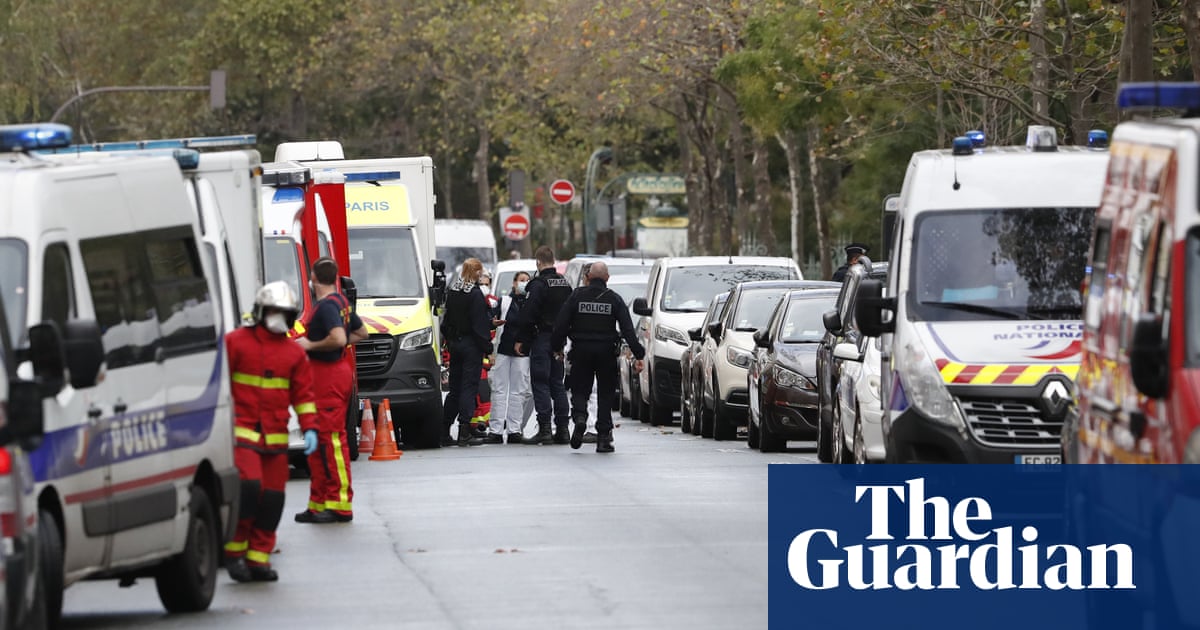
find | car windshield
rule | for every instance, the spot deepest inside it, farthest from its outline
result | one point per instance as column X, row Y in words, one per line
column 802, row 323
column 13, row 256
column 755, row 307
column 383, row 262
column 281, row 261
column 691, row 289
column 1009, row 263
column 454, row 256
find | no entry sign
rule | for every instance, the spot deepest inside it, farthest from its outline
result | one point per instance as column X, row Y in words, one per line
column 562, row 191
column 516, row 227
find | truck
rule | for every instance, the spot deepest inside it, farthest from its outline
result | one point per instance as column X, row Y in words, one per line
column 389, row 209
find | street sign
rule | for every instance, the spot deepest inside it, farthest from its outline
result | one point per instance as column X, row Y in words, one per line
column 516, row 227
column 657, row 185
column 562, row 191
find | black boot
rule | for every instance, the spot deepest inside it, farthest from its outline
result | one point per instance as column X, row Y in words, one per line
column 578, row 430
column 467, row 437
column 562, row 435
column 604, row 442
column 238, row 570
column 545, row 435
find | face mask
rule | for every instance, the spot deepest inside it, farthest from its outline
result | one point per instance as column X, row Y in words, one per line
column 276, row 323
column 521, row 287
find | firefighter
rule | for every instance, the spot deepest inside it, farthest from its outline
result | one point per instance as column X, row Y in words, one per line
column 331, row 328
column 591, row 318
column 548, row 291
column 268, row 373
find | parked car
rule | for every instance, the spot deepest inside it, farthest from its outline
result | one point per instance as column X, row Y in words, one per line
column 677, row 297
column 726, row 399
column 840, row 327
column 781, row 377
column 577, row 267
column 857, row 411
column 690, row 366
column 506, row 270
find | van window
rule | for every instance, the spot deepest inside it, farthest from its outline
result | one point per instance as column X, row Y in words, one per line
column 1098, row 275
column 185, row 310
column 58, row 289
column 119, row 281
column 13, row 256
column 281, row 262
column 383, row 261
column 1004, row 263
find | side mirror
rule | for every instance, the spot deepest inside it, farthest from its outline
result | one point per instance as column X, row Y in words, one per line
column 641, row 308
column 350, row 290
column 832, row 322
column 25, row 420
column 695, row 334
column 714, row 330
column 48, row 358
column 437, row 290
column 85, row 352
column 761, row 338
column 869, row 308
column 846, row 351
column 1148, row 357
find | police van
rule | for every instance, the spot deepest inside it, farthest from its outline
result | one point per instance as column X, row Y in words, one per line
column 981, row 337
column 1139, row 386
column 135, row 475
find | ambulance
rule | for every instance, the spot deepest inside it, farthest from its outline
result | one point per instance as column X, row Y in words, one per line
column 134, row 475
column 981, row 327
column 1139, row 385
column 389, row 205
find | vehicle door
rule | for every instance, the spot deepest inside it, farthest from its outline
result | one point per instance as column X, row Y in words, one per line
column 645, row 326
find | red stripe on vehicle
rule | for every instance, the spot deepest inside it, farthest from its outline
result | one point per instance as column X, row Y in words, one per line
column 133, row 484
column 1009, row 375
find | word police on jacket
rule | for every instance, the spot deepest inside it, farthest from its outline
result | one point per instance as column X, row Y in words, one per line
column 595, row 308
column 980, row 563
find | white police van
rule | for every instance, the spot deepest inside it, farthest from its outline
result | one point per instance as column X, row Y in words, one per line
column 987, row 260
column 135, row 474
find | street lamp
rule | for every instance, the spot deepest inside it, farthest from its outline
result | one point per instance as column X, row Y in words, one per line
column 603, row 155
column 215, row 89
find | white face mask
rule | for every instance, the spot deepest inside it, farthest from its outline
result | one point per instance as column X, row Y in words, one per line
column 276, row 323
column 521, row 287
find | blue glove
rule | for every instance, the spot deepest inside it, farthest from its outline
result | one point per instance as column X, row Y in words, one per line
column 310, row 442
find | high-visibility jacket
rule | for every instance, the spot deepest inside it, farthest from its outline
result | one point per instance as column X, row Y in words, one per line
column 268, row 373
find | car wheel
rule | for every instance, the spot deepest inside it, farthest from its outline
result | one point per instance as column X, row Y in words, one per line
column 752, row 430
column 50, row 560
column 860, row 446
column 768, row 441
column 839, row 454
column 723, row 427
column 624, row 407
column 353, row 415
column 685, row 416
column 186, row 582
column 824, row 441
column 661, row 415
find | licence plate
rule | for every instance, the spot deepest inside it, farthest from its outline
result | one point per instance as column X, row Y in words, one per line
column 1038, row 460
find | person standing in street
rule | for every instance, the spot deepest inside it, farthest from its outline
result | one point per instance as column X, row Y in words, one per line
column 853, row 251
column 591, row 318
column 331, row 328
column 268, row 373
column 548, row 291
column 467, row 329
column 510, row 376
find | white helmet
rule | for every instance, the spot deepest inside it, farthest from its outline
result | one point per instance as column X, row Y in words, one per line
column 277, row 295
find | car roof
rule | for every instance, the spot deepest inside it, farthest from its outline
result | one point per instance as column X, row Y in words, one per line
column 806, row 294
column 629, row 278
column 702, row 261
column 806, row 285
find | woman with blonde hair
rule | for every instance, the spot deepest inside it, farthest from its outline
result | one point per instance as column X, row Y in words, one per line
column 466, row 330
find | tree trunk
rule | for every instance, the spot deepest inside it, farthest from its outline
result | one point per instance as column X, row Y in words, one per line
column 1040, row 80
column 1191, row 28
column 814, row 180
column 1137, row 60
column 740, row 223
column 1078, row 123
column 791, row 150
column 447, row 180
column 764, row 226
column 482, row 186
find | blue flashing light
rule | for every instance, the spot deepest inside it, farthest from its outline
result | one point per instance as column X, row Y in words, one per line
column 286, row 195
column 978, row 139
column 1098, row 139
column 1174, row 95
column 962, row 146
column 35, row 136
column 372, row 177
column 188, row 159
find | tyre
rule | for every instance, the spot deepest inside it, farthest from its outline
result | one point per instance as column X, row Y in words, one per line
column 186, row 582
column 353, row 414
column 768, row 441
column 643, row 410
column 685, row 417
column 50, row 560
column 838, row 453
column 723, row 427
column 860, row 445
column 419, row 429
column 706, row 421
column 661, row 415
column 752, row 432
column 824, row 440
column 624, row 407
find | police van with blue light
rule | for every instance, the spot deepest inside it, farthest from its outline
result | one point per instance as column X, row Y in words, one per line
column 982, row 324
column 134, row 476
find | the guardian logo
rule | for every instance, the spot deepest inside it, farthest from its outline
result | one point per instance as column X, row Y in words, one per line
column 955, row 543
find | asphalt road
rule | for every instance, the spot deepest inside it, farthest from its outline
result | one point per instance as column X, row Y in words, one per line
column 668, row 532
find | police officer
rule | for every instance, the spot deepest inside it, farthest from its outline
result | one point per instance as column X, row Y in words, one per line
column 591, row 318
column 853, row 251
column 548, row 291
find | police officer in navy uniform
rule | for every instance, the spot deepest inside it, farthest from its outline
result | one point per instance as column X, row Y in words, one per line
column 547, row 292
column 591, row 318
column 853, row 251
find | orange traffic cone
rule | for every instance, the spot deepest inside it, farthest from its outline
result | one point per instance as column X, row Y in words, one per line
column 385, row 444
column 366, row 433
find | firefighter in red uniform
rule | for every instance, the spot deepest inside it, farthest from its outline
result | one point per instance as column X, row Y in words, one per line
column 268, row 373
column 331, row 327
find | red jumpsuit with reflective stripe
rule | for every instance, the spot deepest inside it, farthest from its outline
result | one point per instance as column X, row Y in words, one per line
column 268, row 373
column 329, row 465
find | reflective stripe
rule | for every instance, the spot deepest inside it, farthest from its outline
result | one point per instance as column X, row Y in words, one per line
column 253, row 380
column 307, row 407
column 258, row 557
column 275, row 439
column 343, row 502
column 313, row 506
column 242, row 433
column 235, row 546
